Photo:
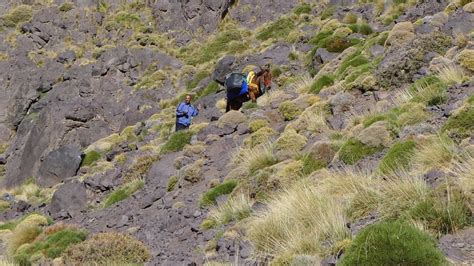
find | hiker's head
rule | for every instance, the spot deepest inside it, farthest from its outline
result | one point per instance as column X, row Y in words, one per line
column 187, row 99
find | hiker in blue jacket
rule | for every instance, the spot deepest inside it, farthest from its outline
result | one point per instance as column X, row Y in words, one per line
column 185, row 111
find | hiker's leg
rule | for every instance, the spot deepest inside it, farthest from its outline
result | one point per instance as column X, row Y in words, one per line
column 180, row 127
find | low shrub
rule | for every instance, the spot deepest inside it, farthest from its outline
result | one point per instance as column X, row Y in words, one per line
column 177, row 141
column 430, row 90
column 398, row 157
column 353, row 151
column 327, row 13
column 258, row 124
column 461, row 124
column 235, row 209
column 393, row 243
column 140, row 167
column 255, row 157
column 361, row 28
column 302, row 9
column 249, row 105
column 172, row 181
column 210, row 196
column 310, row 164
column 106, row 248
column 350, row 18
column 67, row 6
column 289, row 110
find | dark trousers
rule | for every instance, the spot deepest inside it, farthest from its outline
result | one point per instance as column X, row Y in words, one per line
column 181, row 126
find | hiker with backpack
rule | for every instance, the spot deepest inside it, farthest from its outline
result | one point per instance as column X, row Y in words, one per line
column 185, row 112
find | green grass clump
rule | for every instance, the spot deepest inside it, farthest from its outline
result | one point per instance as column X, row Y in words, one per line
column 430, row 90
column 355, row 61
column 211, row 88
column 249, row 105
column 224, row 42
column 310, row 164
column 197, row 78
column 51, row 247
column 445, row 210
column 398, row 157
column 320, row 83
column 123, row 192
column 462, row 123
column 361, row 28
column 318, row 38
column 327, row 13
column 19, row 14
column 302, row 9
column 278, row 29
column 393, row 243
column 353, row 151
column 8, row 225
column 90, row 158
column 177, row 141
column 67, row 6
column 210, row 196
column 276, row 71
column 258, row 124
column 172, row 181
column 289, row 110
column 123, row 19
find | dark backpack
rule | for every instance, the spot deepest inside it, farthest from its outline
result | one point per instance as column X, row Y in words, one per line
column 233, row 83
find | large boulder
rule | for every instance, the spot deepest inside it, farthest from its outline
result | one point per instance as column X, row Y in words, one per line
column 59, row 164
column 68, row 200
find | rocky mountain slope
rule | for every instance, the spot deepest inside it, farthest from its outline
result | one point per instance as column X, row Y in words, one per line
column 366, row 133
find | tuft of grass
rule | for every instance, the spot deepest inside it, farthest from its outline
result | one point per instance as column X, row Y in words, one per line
column 22, row 234
column 249, row 105
column 197, row 78
column 361, row 28
column 320, row 83
column 430, row 90
column 435, row 152
column 209, row 198
column 123, row 192
column 211, row 88
column 353, row 61
column 90, row 158
column 310, row 164
column 277, row 29
column 451, row 74
column 105, row 248
column 258, row 124
column 461, row 124
column 172, row 181
column 296, row 222
column 398, row 157
column 353, row 151
column 289, row 110
column 17, row 15
column 255, row 158
column 327, row 13
column 235, row 209
column 66, row 6
column 140, row 167
column 123, row 19
column 52, row 246
column 350, row 18
column 302, row 9
column 393, row 243
column 177, row 141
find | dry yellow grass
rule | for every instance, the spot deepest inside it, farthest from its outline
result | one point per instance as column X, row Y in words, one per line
column 435, row 152
column 254, row 158
column 451, row 74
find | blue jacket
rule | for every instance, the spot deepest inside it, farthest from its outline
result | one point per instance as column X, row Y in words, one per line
column 185, row 112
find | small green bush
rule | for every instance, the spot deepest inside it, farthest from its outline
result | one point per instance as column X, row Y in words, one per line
column 289, row 110
column 197, row 78
column 318, row 38
column 302, row 9
column 353, row 151
column 210, row 196
column 19, row 14
column 177, row 141
column 67, row 6
column 278, row 29
column 51, row 247
column 462, row 123
column 398, row 157
column 355, row 61
column 90, row 158
column 393, row 243
column 258, row 124
column 249, row 105
column 350, row 18
column 320, row 83
column 276, row 71
column 172, row 181
column 430, row 90
column 123, row 192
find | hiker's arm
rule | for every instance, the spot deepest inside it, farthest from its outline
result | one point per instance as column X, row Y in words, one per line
column 195, row 111
column 180, row 111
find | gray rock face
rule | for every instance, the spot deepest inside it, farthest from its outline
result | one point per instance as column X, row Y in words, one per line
column 69, row 200
column 59, row 164
column 250, row 13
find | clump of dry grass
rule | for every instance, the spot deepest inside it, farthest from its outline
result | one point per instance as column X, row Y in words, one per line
column 253, row 158
column 463, row 172
column 435, row 152
column 236, row 208
column 297, row 221
column 451, row 74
